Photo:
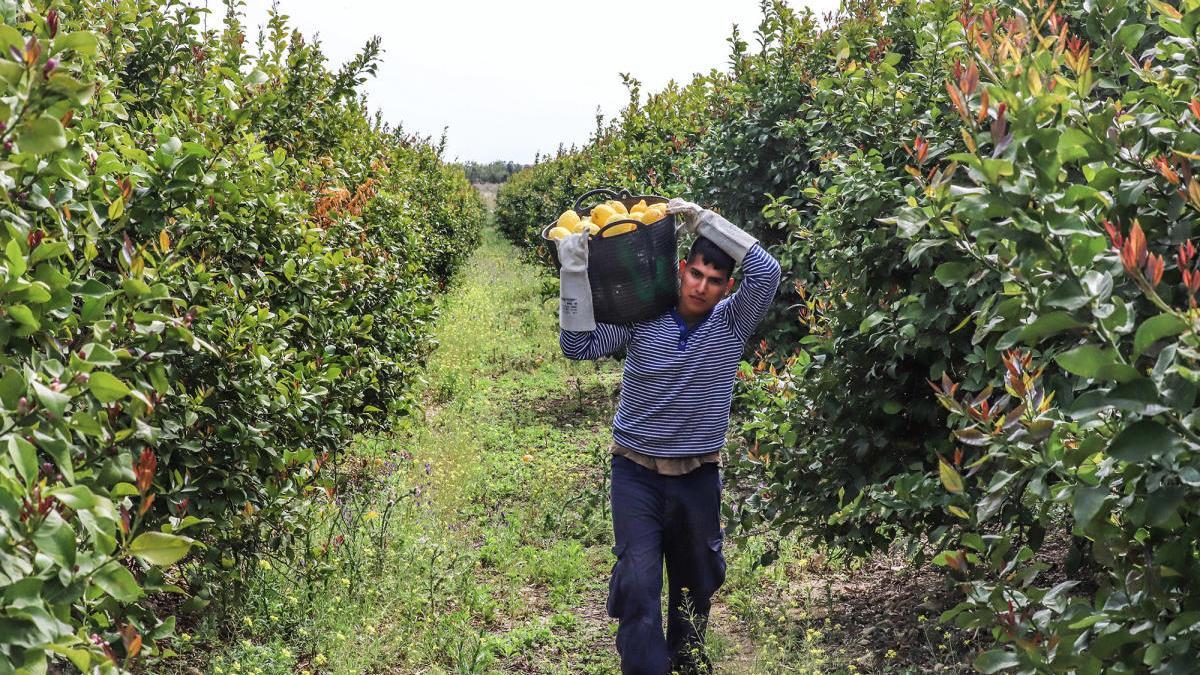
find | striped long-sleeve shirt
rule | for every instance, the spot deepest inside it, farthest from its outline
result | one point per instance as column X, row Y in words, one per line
column 678, row 383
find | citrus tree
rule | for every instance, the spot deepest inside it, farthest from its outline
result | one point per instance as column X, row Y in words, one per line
column 216, row 268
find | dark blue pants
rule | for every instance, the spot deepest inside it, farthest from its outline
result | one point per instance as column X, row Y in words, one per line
column 657, row 518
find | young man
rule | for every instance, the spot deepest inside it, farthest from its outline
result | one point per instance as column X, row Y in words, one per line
column 669, row 430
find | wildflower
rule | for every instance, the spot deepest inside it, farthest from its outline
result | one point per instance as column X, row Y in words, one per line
column 248, row 621
column 320, row 660
column 891, row 654
column 274, row 617
column 264, row 563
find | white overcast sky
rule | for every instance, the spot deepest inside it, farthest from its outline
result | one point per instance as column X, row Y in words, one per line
column 513, row 78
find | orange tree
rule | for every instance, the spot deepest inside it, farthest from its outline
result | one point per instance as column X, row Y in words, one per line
column 216, row 268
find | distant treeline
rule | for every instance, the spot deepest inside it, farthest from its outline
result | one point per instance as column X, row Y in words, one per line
column 492, row 172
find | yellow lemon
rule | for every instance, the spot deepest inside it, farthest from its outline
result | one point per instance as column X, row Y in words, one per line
column 601, row 213
column 615, row 217
column 617, row 206
column 654, row 214
column 581, row 225
column 557, row 233
column 592, row 228
column 638, row 207
column 619, row 229
column 568, row 220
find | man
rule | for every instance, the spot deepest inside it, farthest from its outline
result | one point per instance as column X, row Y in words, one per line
column 669, row 430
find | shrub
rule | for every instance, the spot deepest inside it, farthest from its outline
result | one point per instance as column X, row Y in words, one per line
column 216, row 269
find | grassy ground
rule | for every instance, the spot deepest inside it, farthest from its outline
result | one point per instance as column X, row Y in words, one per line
column 475, row 538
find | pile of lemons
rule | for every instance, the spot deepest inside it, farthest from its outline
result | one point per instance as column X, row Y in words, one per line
column 603, row 214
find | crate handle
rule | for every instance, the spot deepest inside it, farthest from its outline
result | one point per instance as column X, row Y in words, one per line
column 600, row 233
column 609, row 192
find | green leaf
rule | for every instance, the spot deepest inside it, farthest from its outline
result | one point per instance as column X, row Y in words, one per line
column 1137, row 396
column 1130, row 34
column 24, row 316
column 77, row 497
column 1073, row 144
column 16, row 258
column 1162, row 504
column 871, row 321
column 1156, row 328
column 107, row 387
column 1142, row 440
column 996, row 660
column 950, row 273
column 24, row 457
column 48, row 250
column 42, row 135
column 1069, row 295
column 1087, row 503
column 159, row 548
column 55, row 538
column 82, row 41
column 950, row 477
column 55, row 401
column 1095, row 362
column 117, row 581
column 69, row 87
column 1049, row 324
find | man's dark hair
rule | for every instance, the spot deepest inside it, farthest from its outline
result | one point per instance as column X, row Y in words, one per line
column 710, row 254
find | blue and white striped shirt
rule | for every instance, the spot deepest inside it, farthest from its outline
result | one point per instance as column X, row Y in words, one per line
column 678, row 383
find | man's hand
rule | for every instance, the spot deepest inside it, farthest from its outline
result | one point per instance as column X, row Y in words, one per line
column 573, row 252
column 574, row 290
column 685, row 213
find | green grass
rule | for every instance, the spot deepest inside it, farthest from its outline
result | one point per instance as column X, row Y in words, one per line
column 476, row 539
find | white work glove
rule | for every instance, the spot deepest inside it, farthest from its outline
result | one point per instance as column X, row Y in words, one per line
column 574, row 289
column 704, row 223
column 685, row 215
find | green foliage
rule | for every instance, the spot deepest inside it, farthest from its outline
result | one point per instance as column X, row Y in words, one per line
column 492, row 172
column 216, row 269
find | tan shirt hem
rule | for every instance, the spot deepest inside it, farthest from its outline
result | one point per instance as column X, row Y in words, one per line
column 666, row 466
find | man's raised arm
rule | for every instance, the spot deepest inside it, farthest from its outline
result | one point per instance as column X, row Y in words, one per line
column 581, row 338
column 760, row 272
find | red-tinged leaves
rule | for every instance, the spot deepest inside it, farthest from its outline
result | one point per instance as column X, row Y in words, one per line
column 1164, row 167
column 1000, row 125
column 1154, row 269
column 147, row 463
column 957, row 99
column 131, row 639
column 1114, row 235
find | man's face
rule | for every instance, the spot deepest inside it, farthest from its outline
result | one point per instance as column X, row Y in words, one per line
column 701, row 287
